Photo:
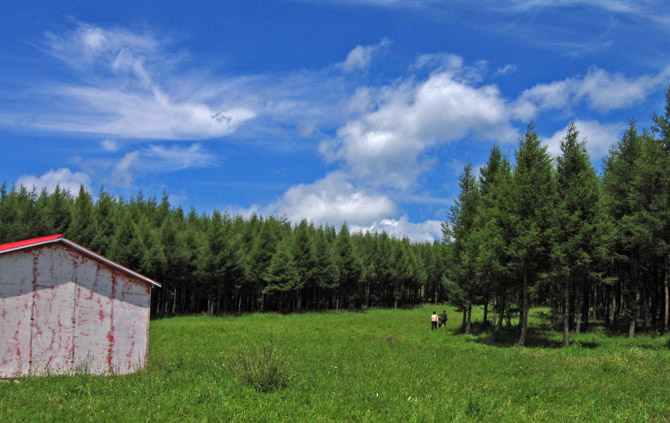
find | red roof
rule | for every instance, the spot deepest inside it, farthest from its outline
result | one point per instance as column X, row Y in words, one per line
column 29, row 242
column 12, row 246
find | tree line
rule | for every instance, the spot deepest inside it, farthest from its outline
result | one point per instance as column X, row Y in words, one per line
column 229, row 264
column 554, row 232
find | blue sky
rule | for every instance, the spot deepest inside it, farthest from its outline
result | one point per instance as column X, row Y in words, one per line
column 359, row 111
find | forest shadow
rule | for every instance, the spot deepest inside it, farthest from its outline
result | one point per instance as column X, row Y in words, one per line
column 535, row 338
column 539, row 335
column 509, row 337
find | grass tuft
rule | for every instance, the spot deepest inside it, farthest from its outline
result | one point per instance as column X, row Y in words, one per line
column 261, row 367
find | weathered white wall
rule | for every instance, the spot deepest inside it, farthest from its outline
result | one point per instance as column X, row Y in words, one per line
column 63, row 312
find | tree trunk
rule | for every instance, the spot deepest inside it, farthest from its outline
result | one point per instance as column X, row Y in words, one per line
column 608, row 321
column 615, row 310
column 494, row 312
column 566, row 314
column 526, row 308
column 554, row 313
column 666, row 286
column 634, row 314
column 468, row 322
column 577, row 311
column 500, row 306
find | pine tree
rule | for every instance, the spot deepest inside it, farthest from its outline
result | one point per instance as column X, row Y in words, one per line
column 349, row 270
column 576, row 224
column 492, row 230
column 281, row 276
column 461, row 232
column 662, row 130
column 302, row 250
column 325, row 272
column 620, row 169
column 82, row 228
column 104, row 221
column 534, row 203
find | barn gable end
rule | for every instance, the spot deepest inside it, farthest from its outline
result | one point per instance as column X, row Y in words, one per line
column 66, row 310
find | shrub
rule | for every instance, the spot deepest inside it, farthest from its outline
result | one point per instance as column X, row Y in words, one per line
column 261, row 368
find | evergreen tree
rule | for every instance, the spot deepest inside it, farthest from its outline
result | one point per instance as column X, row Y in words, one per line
column 620, row 169
column 82, row 228
column 302, row 251
column 662, row 130
column 492, row 230
column 325, row 272
column 104, row 221
column 349, row 270
column 534, row 202
column 281, row 276
column 460, row 231
column 576, row 224
column 126, row 246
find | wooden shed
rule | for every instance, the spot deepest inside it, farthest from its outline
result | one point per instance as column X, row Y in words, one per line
column 65, row 309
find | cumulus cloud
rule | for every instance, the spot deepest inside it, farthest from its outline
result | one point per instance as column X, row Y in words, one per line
column 385, row 145
column 360, row 58
column 427, row 231
column 333, row 200
column 64, row 178
column 602, row 90
column 599, row 137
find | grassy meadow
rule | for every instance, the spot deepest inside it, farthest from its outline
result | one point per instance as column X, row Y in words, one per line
column 373, row 366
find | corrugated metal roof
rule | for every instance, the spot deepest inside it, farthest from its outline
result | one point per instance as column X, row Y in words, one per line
column 13, row 246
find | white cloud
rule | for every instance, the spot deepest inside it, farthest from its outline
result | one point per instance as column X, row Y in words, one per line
column 63, row 178
column 506, row 69
column 385, row 145
column 332, row 200
column 158, row 159
column 599, row 138
column 360, row 58
column 122, row 173
column 602, row 90
column 130, row 88
column 110, row 145
column 427, row 231
column 655, row 10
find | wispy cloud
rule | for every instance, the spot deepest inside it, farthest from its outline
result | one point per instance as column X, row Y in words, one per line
column 601, row 90
column 651, row 10
column 158, row 159
column 655, row 10
column 360, row 58
column 128, row 87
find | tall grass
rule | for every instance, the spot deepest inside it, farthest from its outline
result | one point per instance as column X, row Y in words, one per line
column 374, row 366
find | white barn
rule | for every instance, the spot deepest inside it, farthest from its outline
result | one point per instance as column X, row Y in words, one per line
column 65, row 309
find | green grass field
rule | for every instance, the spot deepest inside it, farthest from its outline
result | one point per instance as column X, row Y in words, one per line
column 374, row 366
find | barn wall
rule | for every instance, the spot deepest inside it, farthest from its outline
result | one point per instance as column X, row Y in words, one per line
column 87, row 317
column 16, row 287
